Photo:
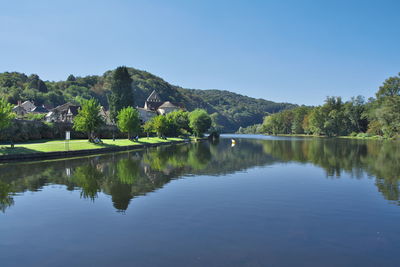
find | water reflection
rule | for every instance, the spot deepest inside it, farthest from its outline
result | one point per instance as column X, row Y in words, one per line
column 124, row 176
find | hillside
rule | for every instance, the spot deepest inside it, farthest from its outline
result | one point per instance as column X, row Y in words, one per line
column 230, row 109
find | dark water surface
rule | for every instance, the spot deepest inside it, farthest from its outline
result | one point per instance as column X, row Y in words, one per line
column 264, row 202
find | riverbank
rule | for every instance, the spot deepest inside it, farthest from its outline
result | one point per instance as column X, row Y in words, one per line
column 60, row 149
column 361, row 137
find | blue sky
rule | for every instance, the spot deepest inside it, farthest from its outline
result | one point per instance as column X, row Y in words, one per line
column 290, row 51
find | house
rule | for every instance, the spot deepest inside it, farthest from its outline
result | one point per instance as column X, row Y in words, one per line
column 63, row 113
column 146, row 114
column 28, row 106
column 105, row 114
column 154, row 106
column 40, row 109
column 19, row 110
column 167, row 107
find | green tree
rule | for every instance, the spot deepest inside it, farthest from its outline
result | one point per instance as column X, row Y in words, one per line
column 178, row 122
column 121, row 91
column 390, row 88
column 388, row 116
column 354, row 111
column 6, row 114
column 36, row 83
column 199, row 121
column 88, row 119
column 160, row 125
column 71, row 78
column 128, row 121
column 148, row 127
column 316, row 121
column 298, row 118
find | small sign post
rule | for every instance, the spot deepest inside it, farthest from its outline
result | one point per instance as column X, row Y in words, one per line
column 67, row 138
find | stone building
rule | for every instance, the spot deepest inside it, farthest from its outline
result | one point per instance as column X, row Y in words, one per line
column 63, row 113
column 154, row 106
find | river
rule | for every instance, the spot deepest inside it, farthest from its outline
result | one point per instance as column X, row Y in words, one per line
column 266, row 201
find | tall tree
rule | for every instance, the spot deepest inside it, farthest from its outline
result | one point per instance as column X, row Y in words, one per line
column 121, row 91
column 129, row 121
column 89, row 118
column 36, row 83
column 390, row 87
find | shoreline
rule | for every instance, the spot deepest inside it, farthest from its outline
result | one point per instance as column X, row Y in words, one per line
column 375, row 137
column 19, row 157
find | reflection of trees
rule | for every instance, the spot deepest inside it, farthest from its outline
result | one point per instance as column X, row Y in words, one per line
column 5, row 196
column 356, row 157
column 124, row 176
column 127, row 175
column 89, row 179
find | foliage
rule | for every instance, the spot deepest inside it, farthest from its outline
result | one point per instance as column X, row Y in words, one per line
column 129, row 121
column 252, row 129
column 335, row 118
column 234, row 110
column 6, row 114
column 178, row 122
column 199, row 121
column 35, row 116
column 231, row 110
column 148, row 127
column 88, row 119
column 121, row 91
column 160, row 125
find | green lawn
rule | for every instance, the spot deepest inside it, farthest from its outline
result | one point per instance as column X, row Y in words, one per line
column 59, row 145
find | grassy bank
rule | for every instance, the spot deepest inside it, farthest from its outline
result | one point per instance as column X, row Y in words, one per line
column 74, row 145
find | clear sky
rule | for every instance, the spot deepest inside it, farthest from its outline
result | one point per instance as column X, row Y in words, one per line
column 292, row 51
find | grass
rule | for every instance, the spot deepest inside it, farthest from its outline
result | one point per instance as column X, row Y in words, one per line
column 60, row 145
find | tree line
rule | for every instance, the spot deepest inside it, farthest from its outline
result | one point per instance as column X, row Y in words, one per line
column 229, row 109
column 379, row 116
column 124, row 115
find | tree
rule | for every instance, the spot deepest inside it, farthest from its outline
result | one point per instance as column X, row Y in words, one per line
column 354, row 111
column 148, row 127
column 298, row 118
column 121, row 91
column 390, row 87
column 199, row 121
column 71, row 78
column 36, row 83
column 128, row 121
column 160, row 125
column 388, row 116
column 88, row 119
column 178, row 122
column 316, row 121
column 6, row 114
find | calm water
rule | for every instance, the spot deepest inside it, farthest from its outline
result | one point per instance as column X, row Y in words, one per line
column 264, row 202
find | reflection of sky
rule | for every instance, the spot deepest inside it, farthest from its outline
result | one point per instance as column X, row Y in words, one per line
column 283, row 213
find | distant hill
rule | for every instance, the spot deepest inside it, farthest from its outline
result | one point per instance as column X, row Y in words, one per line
column 231, row 110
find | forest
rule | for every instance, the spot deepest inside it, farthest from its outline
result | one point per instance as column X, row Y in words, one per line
column 375, row 117
column 230, row 110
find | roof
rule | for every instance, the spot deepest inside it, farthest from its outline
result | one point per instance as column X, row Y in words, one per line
column 74, row 109
column 65, row 107
column 40, row 109
column 28, row 105
column 18, row 108
column 167, row 104
column 154, row 97
column 145, row 110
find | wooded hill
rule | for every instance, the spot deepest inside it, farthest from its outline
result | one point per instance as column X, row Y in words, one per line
column 230, row 110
